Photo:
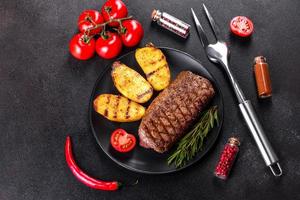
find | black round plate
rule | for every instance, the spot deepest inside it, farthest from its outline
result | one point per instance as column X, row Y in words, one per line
column 140, row 159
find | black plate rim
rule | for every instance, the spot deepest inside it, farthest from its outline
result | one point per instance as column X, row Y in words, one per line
column 151, row 172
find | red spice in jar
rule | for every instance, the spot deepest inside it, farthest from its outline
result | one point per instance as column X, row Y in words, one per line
column 227, row 158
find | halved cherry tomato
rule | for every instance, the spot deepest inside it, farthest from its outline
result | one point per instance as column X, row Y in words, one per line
column 122, row 141
column 88, row 19
column 241, row 26
column 114, row 9
column 109, row 45
column 82, row 47
column 131, row 32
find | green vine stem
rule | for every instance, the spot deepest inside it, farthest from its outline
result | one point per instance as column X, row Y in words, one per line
column 105, row 23
column 86, row 38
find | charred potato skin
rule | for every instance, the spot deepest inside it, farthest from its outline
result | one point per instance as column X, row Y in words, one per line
column 155, row 66
column 118, row 108
column 130, row 83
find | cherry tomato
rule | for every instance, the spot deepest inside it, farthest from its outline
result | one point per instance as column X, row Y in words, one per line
column 88, row 19
column 241, row 26
column 81, row 48
column 109, row 46
column 114, row 9
column 131, row 32
column 122, row 141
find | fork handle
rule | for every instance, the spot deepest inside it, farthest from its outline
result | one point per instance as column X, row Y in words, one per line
column 253, row 123
column 236, row 88
column 260, row 137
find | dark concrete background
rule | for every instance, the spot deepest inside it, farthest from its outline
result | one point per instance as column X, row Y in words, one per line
column 45, row 94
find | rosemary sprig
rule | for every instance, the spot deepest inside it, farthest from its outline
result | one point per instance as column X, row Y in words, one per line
column 192, row 142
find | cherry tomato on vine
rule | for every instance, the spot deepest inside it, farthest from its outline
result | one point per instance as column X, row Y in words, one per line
column 114, row 9
column 241, row 26
column 131, row 32
column 82, row 47
column 109, row 45
column 122, row 141
column 88, row 19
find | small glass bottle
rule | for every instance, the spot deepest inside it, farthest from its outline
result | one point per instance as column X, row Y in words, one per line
column 227, row 158
column 171, row 23
column 262, row 77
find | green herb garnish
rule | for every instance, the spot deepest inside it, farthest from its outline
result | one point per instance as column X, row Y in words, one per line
column 192, row 142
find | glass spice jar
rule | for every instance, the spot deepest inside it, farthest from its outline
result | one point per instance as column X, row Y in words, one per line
column 171, row 23
column 262, row 77
column 227, row 158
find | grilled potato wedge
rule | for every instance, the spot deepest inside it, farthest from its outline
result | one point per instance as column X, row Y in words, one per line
column 155, row 66
column 118, row 108
column 130, row 83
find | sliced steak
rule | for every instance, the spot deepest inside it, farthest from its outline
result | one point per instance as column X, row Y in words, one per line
column 173, row 110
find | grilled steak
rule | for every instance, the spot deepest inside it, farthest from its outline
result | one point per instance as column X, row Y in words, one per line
column 173, row 110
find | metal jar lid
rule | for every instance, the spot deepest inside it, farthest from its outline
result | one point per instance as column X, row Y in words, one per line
column 234, row 141
column 260, row 59
column 156, row 14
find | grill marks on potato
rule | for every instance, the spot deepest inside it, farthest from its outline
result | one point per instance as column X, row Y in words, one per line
column 127, row 116
column 156, row 71
column 118, row 108
column 105, row 112
column 140, row 96
column 155, row 66
column 106, row 109
column 154, row 62
column 130, row 83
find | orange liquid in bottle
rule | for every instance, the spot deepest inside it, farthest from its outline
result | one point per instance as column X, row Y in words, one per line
column 262, row 77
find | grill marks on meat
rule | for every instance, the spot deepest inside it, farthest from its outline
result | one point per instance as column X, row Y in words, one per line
column 173, row 110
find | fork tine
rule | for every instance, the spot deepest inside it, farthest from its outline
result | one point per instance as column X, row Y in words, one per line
column 200, row 30
column 213, row 25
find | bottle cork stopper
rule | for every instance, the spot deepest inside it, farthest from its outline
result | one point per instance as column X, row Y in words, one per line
column 260, row 59
column 154, row 15
column 234, row 141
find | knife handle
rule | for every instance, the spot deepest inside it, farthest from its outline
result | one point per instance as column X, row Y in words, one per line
column 260, row 137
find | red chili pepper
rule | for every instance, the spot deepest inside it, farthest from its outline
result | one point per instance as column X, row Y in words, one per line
column 83, row 177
